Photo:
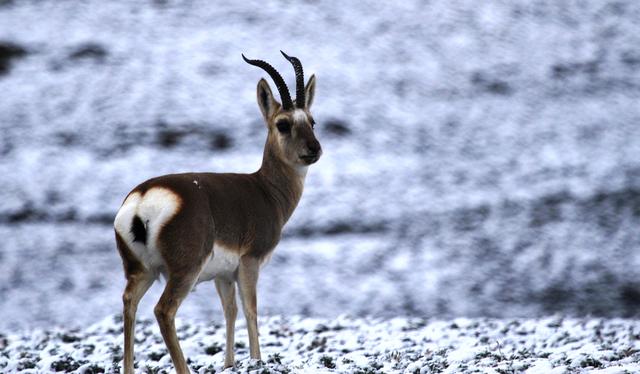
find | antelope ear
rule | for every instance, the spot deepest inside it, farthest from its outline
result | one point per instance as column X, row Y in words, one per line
column 268, row 105
column 310, row 91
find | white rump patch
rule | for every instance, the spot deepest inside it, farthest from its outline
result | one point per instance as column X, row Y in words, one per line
column 155, row 208
column 223, row 262
column 123, row 220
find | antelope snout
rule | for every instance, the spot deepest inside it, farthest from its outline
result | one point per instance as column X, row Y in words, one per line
column 313, row 152
column 314, row 147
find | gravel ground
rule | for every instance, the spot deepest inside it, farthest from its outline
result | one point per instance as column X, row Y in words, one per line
column 345, row 345
column 487, row 152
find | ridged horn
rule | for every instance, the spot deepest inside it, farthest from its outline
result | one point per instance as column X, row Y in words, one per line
column 297, row 66
column 285, row 96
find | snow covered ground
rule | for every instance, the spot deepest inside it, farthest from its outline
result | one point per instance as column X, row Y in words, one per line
column 481, row 160
column 346, row 345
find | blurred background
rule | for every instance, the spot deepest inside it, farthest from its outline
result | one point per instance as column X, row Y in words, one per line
column 480, row 158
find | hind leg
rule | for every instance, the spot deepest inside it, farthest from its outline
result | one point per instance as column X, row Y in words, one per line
column 138, row 282
column 185, row 243
column 175, row 291
column 137, row 286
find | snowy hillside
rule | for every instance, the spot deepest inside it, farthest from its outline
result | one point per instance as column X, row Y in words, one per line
column 480, row 158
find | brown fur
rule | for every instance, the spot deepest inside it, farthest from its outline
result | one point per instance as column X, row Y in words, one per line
column 245, row 212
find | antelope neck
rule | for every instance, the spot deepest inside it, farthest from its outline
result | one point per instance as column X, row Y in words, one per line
column 283, row 183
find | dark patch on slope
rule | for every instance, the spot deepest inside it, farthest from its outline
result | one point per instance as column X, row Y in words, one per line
column 470, row 219
column 9, row 52
column 549, row 209
column 189, row 135
column 220, row 141
column 492, row 83
column 572, row 69
column 337, row 127
column 338, row 228
column 89, row 51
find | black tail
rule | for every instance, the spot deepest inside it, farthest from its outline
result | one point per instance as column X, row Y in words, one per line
column 138, row 230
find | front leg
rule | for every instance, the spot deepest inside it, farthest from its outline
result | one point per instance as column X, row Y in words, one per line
column 226, row 290
column 247, row 283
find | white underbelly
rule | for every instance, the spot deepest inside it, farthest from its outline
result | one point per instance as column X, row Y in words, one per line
column 223, row 262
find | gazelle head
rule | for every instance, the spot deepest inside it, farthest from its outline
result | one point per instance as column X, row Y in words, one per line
column 290, row 124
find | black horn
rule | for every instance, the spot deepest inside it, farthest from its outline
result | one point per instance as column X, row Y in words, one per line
column 297, row 66
column 285, row 96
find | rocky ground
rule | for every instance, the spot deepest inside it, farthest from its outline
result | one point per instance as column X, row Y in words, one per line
column 345, row 345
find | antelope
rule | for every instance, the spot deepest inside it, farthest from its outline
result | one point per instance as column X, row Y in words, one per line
column 195, row 227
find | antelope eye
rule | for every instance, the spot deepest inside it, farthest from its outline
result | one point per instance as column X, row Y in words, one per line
column 283, row 126
column 313, row 123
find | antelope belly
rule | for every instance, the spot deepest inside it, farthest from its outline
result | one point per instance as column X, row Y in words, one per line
column 223, row 262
